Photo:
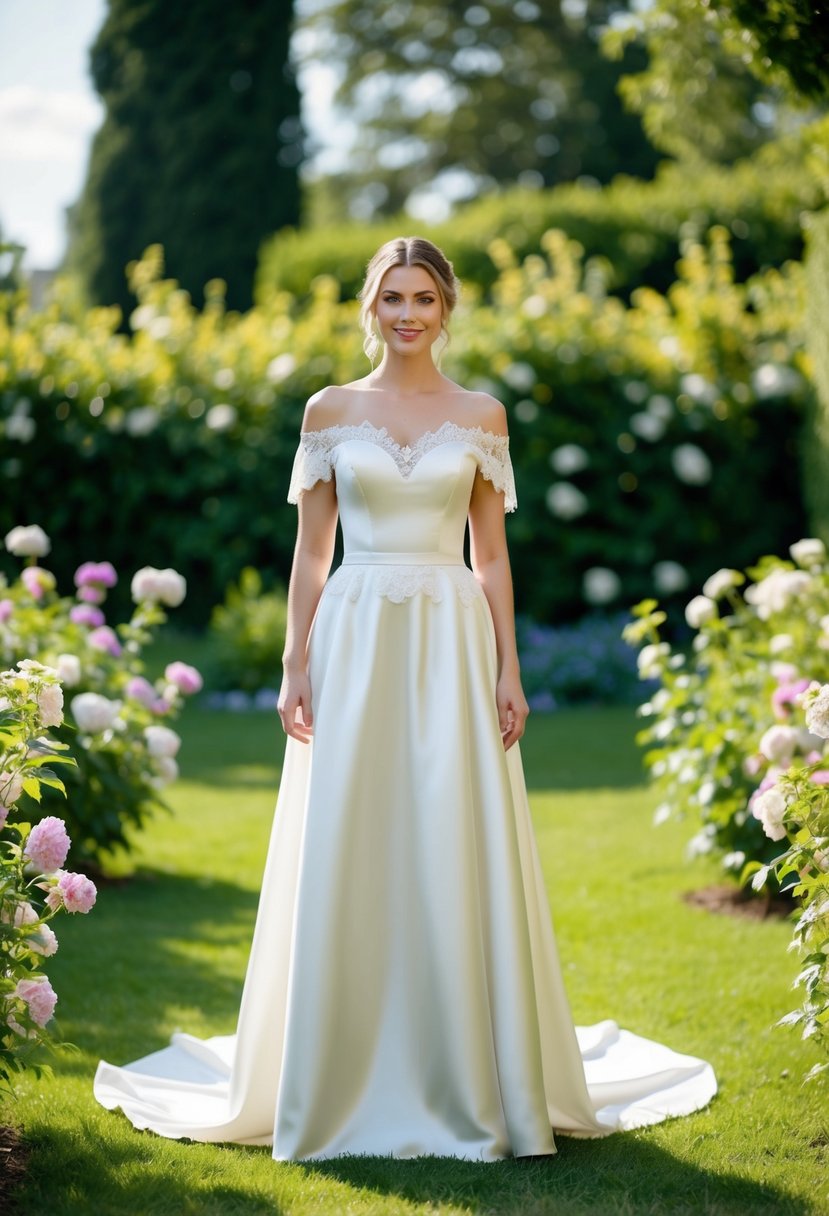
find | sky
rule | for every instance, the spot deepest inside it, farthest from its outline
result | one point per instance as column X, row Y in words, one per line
column 49, row 112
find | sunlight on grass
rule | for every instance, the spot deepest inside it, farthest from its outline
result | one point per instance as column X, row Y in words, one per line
column 167, row 949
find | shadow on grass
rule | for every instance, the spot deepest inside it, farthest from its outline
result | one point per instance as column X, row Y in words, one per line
column 584, row 748
column 624, row 1175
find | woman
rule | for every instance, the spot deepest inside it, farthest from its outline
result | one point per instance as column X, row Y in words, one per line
column 403, row 994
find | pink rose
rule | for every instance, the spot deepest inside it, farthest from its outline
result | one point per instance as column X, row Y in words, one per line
column 90, row 573
column 86, row 614
column 92, row 595
column 141, row 690
column 74, row 892
column 186, row 679
column 821, row 777
column 4, row 814
column 104, row 638
column 160, row 706
column 44, row 941
column 6, row 609
column 40, row 998
column 783, row 698
column 48, row 845
column 37, row 581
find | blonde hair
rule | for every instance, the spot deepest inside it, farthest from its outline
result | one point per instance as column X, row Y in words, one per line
column 405, row 251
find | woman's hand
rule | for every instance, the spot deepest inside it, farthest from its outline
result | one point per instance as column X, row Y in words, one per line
column 513, row 709
column 295, row 695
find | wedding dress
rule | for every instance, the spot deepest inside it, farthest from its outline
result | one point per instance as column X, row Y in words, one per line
column 403, row 994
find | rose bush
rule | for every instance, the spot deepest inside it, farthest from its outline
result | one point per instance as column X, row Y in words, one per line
column 114, row 714
column 728, row 718
column 33, row 886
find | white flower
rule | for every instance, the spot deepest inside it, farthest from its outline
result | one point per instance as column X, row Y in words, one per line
column 784, row 673
column 43, row 941
column 775, row 380
column 649, row 659
column 166, row 768
column 662, row 814
column 280, row 368
column 140, row 317
column 565, row 500
column 161, row 741
column 669, row 577
column 661, row 407
column 50, row 705
column 698, row 387
column 691, row 464
column 225, row 377
column 770, row 808
column 775, row 592
column 808, row 552
column 220, row 417
column 68, row 667
column 717, row 585
column 11, row 787
column 600, row 585
column 647, row 426
column 699, row 610
column 780, row 642
column 20, row 427
column 734, row 861
column 94, row 713
column 778, row 744
column 166, row 586
column 706, row 792
column 141, row 420
column 520, row 376
column 569, row 458
column 28, row 541
column 817, row 712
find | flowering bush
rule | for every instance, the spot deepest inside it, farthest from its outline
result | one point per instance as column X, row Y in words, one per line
column 33, row 886
column 573, row 664
column 247, row 635
column 115, row 728
column 729, row 719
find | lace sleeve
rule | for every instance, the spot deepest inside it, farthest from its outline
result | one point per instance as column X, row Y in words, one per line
column 312, row 463
column 496, row 466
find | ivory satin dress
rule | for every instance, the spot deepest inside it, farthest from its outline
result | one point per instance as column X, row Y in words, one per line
column 403, row 994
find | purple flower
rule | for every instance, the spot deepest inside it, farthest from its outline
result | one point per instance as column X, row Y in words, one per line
column 6, row 609
column 141, row 690
column 100, row 574
column 104, row 638
column 92, row 595
column 186, row 679
column 86, row 614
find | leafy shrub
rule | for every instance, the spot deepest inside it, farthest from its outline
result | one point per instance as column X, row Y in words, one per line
column 572, row 664
column 33, row 886
column 727, row 720
column 636, row 227
column 247, row 634
column 123, row 752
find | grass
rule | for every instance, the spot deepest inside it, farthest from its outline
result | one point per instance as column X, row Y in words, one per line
column 168, row 949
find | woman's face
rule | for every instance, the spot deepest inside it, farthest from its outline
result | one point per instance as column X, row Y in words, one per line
column 408, row 309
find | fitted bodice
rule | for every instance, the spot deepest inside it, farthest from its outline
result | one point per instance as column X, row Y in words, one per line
column 403, row 500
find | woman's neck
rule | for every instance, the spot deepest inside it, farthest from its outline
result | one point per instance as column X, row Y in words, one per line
column 407, row 377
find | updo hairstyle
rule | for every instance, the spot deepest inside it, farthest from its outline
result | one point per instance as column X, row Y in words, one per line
column 405, row 251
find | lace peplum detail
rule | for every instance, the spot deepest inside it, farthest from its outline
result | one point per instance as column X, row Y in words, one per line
column 399, row 583
column 315, row 455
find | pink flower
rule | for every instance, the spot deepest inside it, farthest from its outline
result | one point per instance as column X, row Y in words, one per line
column 74, row 892
column 37, row 581
column 160, row 706
column 40, row 998
column 783, row 698
column 86, row 614
column 44, row 941
column 4, row 814
column 92, row 595
column 821, row 777
column 48, row 845
column 104, row 638
column 6, row 609
column 141, row 690
column 187, row 679
column 100, row 573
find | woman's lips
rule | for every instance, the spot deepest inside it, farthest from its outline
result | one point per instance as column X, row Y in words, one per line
column 408, row 335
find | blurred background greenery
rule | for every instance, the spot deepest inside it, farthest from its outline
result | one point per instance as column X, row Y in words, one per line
column 634, row 194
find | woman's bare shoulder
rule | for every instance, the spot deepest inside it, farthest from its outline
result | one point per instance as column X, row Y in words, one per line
column 486, row 412
column 327, row 407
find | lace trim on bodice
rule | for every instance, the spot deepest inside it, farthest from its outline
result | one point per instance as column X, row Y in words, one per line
column 314, row 457
column 400, row 583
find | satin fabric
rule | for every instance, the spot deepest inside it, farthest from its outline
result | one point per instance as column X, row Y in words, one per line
column 403, row 994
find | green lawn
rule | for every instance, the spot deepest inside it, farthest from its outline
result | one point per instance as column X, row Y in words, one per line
column 168, row 950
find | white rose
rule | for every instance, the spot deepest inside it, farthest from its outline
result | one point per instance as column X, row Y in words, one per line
column 780, row 642
column 808, row 552
column 691, row 464
column 167, row 586
column 817, row 713
column 770, row 808
column 568, row 459
column 11, row 787
column 94, row 713
column 161, row 741
column 719, row 583
column 50, row 705
column 68, row 667
column 166, row 768
column 699, row 610
column 565, row 500
column 776, row 591
column 778, row 744
column 648, row 659
column 784, row 673
column 29, row 541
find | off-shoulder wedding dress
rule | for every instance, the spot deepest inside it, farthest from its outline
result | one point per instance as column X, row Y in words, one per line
column 404, row 994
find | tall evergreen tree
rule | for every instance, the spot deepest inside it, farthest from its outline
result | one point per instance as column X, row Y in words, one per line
column 200, row 146
column 488, row 91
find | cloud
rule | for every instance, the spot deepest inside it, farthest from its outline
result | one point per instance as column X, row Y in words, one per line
column 36, row 124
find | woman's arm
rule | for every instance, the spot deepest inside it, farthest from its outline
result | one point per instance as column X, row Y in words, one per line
column 314, row 549
column 490, row 562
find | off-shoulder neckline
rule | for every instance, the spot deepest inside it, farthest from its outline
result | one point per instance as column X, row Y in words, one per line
column 383, row 432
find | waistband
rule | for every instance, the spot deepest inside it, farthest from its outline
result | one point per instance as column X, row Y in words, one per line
column 377, row 557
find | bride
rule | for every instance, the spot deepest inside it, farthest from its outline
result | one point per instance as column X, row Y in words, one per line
column 403, row 994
